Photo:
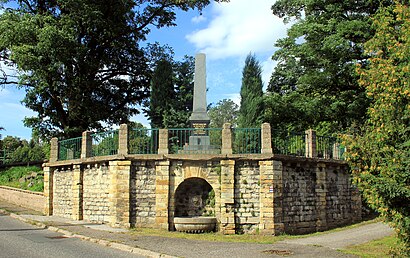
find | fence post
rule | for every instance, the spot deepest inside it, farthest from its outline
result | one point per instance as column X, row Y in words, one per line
column 86, row 145
column 48, row 189
column 311, row 144
column 54, row 149
column 266, row 139
column 226, row 139
column 336, row 151
column 123, row 140
column 163, row 141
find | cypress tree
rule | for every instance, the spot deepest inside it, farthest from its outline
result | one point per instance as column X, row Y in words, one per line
column 162, row 93
column 251, row 109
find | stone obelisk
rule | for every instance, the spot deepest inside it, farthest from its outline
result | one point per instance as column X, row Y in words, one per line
column 199, row 117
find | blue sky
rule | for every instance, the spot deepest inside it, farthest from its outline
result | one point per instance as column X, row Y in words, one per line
column 225, row 32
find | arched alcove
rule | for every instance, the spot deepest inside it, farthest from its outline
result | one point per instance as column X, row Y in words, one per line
column 194, row 197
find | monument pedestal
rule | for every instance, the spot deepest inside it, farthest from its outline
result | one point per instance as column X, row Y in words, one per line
column 200, row 144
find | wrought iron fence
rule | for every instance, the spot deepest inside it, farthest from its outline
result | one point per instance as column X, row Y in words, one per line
column 5, row 156
column 289, row 143
column 143, row 141
column 195, row 141
column 246, row 140
column 69, row 149
column 105, row 143
column 328, row 147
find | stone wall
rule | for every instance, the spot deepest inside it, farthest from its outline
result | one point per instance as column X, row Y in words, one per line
column 342, row 200
column 247, row 198
column 96, row 192
column 299, row 197
column 29, row 199
column 142, row 194
column 63, row 194
column 317, row 196
column 246, row 193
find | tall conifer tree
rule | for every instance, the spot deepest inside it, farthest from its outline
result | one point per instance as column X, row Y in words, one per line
column 162, row 93
column 251, row 109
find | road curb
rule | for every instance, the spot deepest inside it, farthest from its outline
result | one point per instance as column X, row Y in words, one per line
column 107, row 243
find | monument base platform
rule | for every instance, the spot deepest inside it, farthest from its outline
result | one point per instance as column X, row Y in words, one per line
column 200, row 144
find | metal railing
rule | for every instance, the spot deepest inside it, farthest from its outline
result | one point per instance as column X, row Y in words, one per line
column 289, row 143
column 5, row 156
column 199, row 141
column 246, row 140
column 328, row 147
column 143, row 141
column 105, row 143
column 195, row 141
column 69, row 149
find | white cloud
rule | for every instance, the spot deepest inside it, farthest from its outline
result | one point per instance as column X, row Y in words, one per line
column 237, row 28
column 235, row 97
column 267, row 68
column 198, row 19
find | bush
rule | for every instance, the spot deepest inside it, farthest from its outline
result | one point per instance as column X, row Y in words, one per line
column 27, row 178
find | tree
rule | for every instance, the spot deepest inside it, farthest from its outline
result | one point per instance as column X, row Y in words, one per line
column 17, row 150
column 225, row 111
column 171, row 93
column 162, row 93
column 380, row 157
column 316, row 64
column 251, row 108
column 184, row 87
column 80, row 62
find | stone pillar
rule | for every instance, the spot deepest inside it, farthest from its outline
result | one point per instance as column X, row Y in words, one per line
column 77, row 190
column 48, row 189
column 162, row 194
column 86, row 145
column 356, row 204
column 227, row 197
column 123, row 140
column 54, row 149
column 163, row 141
column 226, row 139
column 311, row 144
column 336, row 150
column 266, row 139
column 321, row 192
column 271, row 197
column 120, row 193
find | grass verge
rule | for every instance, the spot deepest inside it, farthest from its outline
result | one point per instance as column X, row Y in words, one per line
column 245, row 238
column 374, row 249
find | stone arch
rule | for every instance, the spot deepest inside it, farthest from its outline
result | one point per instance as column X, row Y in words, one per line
column 194, row 197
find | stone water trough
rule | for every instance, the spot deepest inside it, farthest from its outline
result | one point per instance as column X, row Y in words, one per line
column 195, row 224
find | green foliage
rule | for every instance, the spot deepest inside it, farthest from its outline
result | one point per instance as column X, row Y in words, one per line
column 142, row 140
column 225, row 111
column 314, row 84
column 16, row 150
column 105, row 143
column 80, row 61
column 380, row 156
column 162, row 93
column 27, row 178
column 171, row 93
column 251, row 108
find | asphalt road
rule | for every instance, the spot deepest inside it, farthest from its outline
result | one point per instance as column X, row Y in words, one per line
column 18, row 239
column 347, row 237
